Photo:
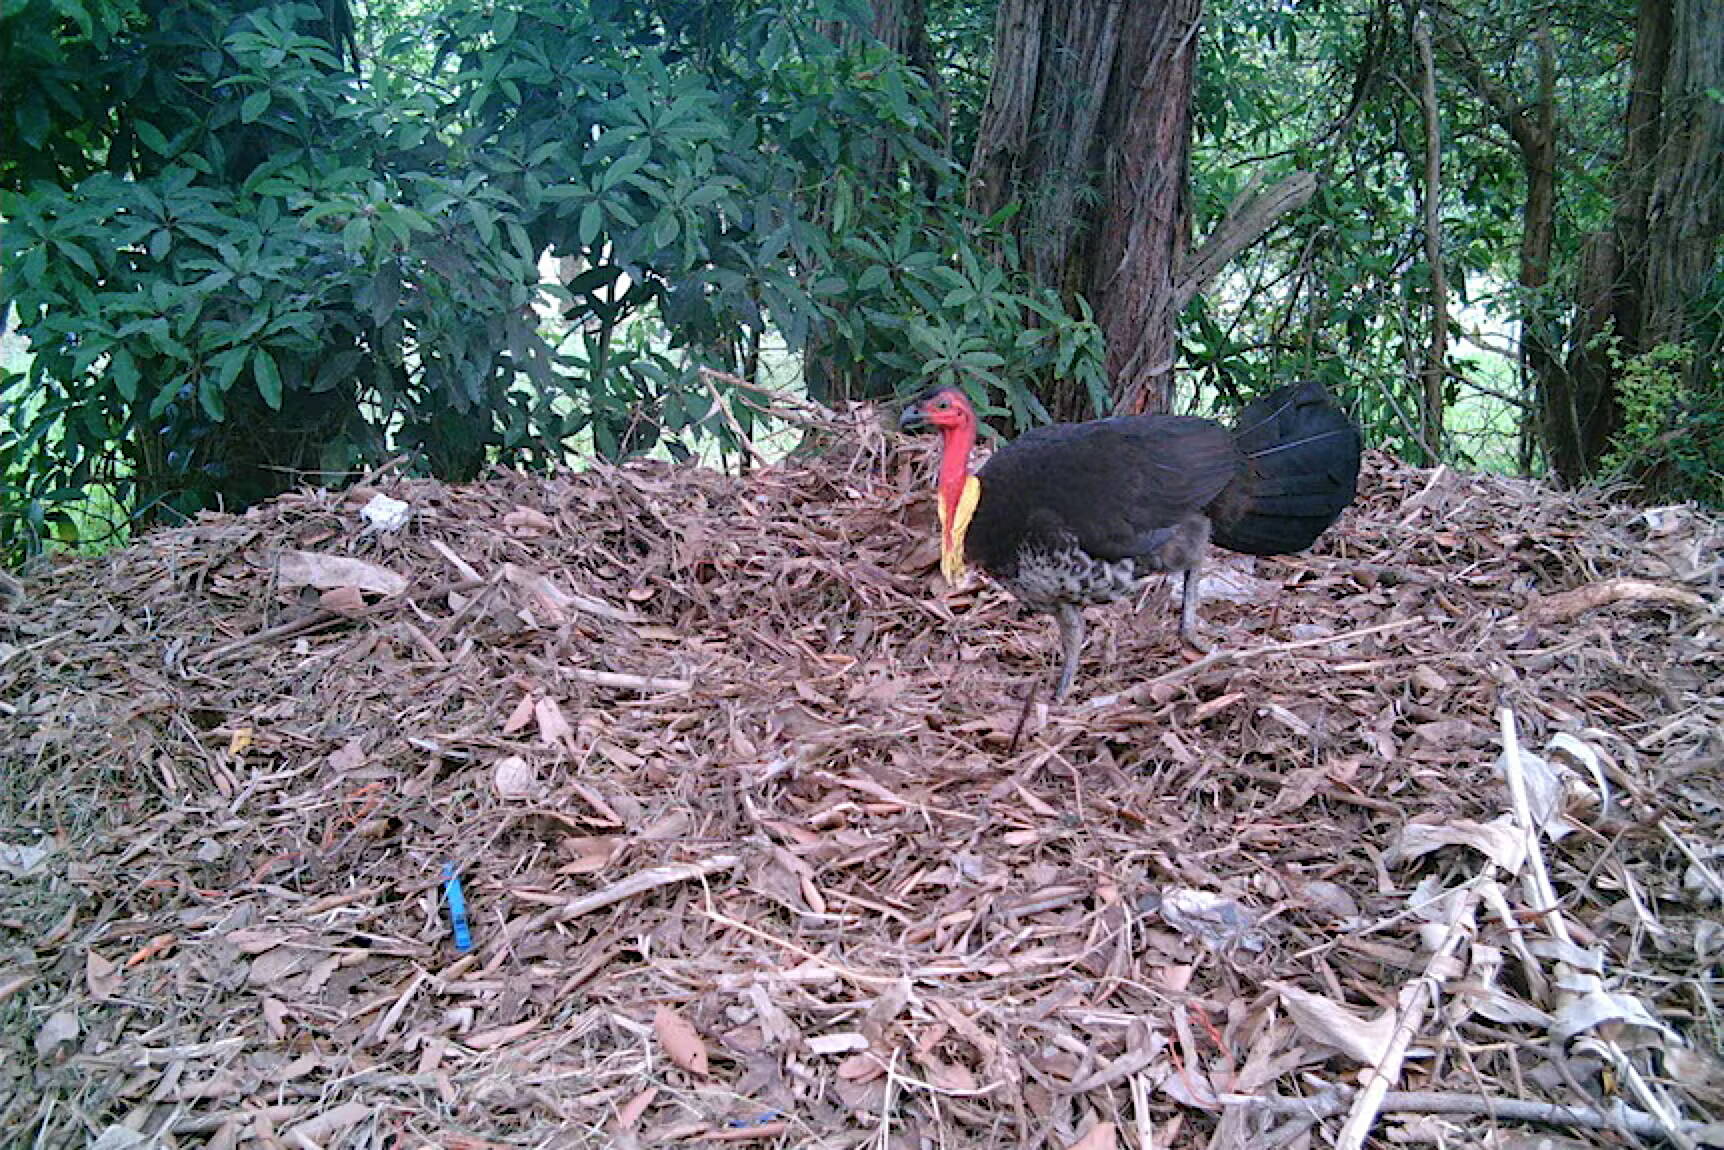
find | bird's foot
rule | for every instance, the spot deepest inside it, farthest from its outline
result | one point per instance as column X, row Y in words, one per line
column 1196, row 641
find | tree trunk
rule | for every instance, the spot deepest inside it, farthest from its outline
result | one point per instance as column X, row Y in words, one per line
column 1640, row 281
column 1686, row 212
column 1135, row 265
column 1088, row 126
column 1434, row 371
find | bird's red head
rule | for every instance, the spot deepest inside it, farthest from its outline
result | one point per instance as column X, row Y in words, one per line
column 946, row 408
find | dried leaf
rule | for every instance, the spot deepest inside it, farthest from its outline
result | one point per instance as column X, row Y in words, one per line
column 326, row 572
column 350, row 756
column 20, row 860
column 501, row 1036
column 554, row 728
column 1218, row 923
column 860, row 1068
column 1500, row 840
column 682, row 1043
column 272, row 966
column 841, row 1042
column 342, row 600
column 1619, row 1015
column 1330, row 1023
column 1101, row 1136
column 101, row 976
column 328, row 1125
column 630, row 1112
column 58, row 1032
column 528, row 521
column 520, row 716
column 275, row 1017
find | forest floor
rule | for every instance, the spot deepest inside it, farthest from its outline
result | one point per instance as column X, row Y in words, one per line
column 750, row 856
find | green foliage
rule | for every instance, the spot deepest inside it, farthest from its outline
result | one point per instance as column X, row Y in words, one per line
column 218, row 330
column 253, row 266
column 1340, row 290
column 1671, row 445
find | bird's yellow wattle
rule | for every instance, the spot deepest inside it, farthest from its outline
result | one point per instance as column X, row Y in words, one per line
column 953, row 526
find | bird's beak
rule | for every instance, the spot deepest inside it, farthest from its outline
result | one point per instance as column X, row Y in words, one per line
column 912, row 419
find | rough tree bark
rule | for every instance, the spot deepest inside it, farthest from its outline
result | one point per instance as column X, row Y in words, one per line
column 1088, row 127
column 1686, row 215
column 1640, row 279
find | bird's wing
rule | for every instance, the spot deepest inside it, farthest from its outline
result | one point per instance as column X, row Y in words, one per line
column 1117, row 485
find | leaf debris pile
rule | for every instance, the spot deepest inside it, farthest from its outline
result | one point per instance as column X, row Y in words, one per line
column 749, row 855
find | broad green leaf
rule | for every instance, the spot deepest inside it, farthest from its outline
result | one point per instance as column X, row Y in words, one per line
column 268, row 378
column 124, row 371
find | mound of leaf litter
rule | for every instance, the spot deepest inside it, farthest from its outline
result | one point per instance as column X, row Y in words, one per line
column 749, row 856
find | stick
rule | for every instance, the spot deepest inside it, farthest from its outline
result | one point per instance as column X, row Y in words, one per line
column 629, row 682
column 747, row 444
column 1410, row 1016
column 322, row 616
column 1331, row 1102
column 1566, row 605
column 640, row 882
column 1700, row 865
column 748, row 1133
column 637, row 883
column 1135, row 694
column 1542, row 894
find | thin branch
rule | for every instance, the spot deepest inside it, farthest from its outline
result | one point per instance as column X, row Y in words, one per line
column 1247, row 221
column 1337, row 1098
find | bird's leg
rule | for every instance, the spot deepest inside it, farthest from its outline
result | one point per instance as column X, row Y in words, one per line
column 1071, row 642
column 1188, row 608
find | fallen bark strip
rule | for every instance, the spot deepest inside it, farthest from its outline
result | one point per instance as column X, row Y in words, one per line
column 1567, row 605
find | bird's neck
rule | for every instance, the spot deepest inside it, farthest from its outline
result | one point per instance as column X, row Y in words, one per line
column 959, row 491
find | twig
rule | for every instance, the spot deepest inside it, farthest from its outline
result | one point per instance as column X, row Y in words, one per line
column 640, row 882
column 322, row 616
column 706, row 377
column 637, row 883
column 1410, row 1008
column 865, row 981
column 1335, row 1099
column 1136, row 693
column 1023, row 717
column 627, row 682
column 1562, row 607
column 1542, row 894
column 1700, row 865
column 748, row 1133
column 1140, row 1112
column 1126, row 1065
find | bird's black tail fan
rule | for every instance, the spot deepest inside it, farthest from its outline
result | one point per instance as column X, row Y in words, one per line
column 1303, row 456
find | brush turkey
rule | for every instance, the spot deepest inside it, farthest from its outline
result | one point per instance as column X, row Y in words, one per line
column 1083, row 513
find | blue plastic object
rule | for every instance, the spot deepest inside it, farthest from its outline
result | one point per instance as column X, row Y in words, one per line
column 457, row 907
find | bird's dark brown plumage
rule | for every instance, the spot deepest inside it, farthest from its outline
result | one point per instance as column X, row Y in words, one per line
column 1084, row 513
